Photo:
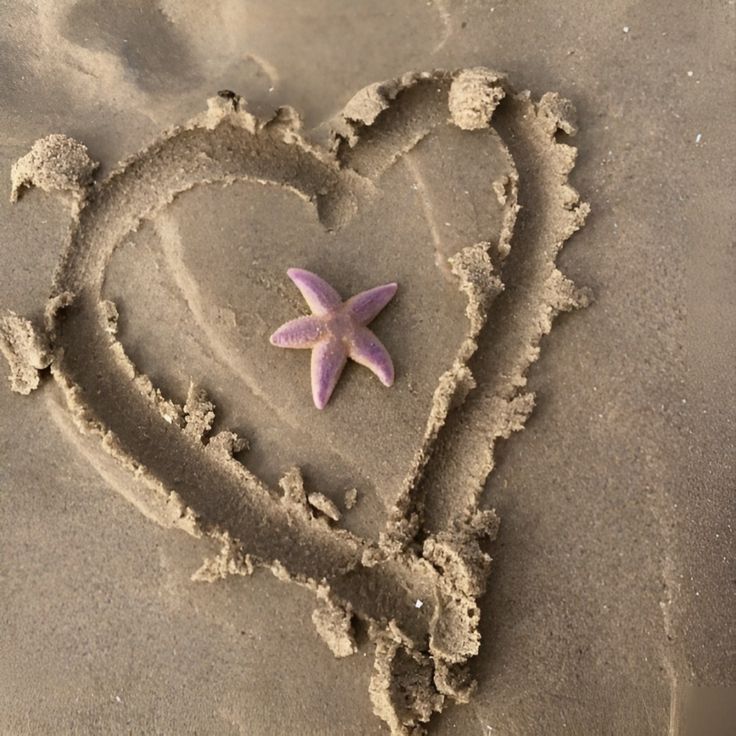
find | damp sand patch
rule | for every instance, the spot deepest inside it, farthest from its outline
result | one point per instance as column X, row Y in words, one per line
column 420, row 185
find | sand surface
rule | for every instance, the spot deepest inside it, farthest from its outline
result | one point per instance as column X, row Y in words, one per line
column 607, row 455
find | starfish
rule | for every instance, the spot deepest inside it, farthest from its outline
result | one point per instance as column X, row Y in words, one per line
column 336, row 331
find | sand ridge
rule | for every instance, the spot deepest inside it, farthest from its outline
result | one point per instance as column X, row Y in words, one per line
column 431, row 549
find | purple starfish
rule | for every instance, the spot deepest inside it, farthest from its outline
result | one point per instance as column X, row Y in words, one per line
column 336, row 331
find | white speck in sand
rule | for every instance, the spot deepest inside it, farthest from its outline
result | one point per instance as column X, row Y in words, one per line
column 698, row 137
column 418, row 604
column 689, row 73
column 626, row 29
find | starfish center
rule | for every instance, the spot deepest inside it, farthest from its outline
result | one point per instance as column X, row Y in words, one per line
column 340, row 324
column 336, row 331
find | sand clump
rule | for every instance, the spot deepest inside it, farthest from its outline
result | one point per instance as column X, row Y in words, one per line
column 25, row 349
column 54, row 163
column 198, row 413
column 432, row 548
column 474, row 95
column 231, row 560
column 333, row 622
column 324, row 505
column 351, row 498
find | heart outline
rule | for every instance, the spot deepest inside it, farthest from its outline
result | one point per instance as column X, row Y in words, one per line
column 76, row 305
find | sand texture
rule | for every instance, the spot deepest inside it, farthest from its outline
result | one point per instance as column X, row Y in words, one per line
column 417, row 583
column 148, row 371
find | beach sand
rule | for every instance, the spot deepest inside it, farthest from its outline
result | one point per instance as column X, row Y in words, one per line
column 545, row 497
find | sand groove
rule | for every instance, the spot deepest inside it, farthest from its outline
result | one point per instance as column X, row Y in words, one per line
column 431, row 549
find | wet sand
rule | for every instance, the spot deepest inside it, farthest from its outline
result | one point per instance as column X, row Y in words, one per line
column 610, row 577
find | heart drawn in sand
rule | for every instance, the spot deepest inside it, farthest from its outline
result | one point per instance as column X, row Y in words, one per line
column 475, row 302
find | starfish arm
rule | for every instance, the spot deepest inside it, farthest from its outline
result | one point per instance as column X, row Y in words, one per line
column 368, row 350
column 302, row 332
column 318, row 294
column 328, row 360
column 365, row 306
